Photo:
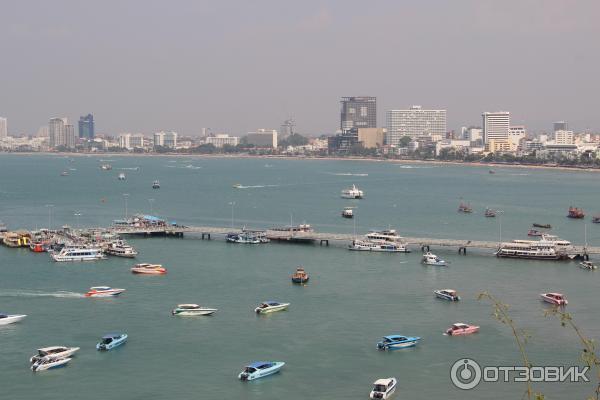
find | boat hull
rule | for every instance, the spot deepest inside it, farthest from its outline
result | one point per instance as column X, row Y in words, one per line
column 194, row 313
column 551, row 257
column 36, row 367
column 446, row 297
column 11, row 319
column 269, row 310
column 111, row 293
column 397, row 346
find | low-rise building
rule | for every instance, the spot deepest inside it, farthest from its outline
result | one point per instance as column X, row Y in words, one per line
column 222, row 139
column 263, row 138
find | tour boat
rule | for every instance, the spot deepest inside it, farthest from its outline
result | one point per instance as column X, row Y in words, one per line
column 348, row 212
column 192, row 310
column 575, row 212
column 300, row 276
column 352, row 193
column 587, row 265
column 389, row 235
column 260, row 369
column 243, row 237
column 149, row 269
column 78, row 254
column 383, row 388
column 53, row 353
column 304, row 228
column 447, row 294
column 121, row 176
column 270, row 306
column 464, row 208
column 490, row 213
column 557, row 299
column 540, row 250
column 534, row 232
column 103, row 291
column 111, row 340
column 377, row 245
column 6, row 319
column 156, row 185
column 560, row 243
column 44, row 364
column 461, row 329
column 545, row 226
column 431, row 259
column 121, row 249
column 394, row 342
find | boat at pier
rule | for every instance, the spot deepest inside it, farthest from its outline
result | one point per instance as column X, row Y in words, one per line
column 149, row 269
column 575, row 212
column 267, row 307
column 6, row 319
column 78, row 254
column 121, row 249
column 395, row 342
column 260, row 369
column 111, row 340
column 243, row 237
column 305, row 228
column 300, row 276
column 461, row 329
column 16, row 239
column 545, row 226
column 447, row 294
column 192, row 310
column 388, row 235
column 103, row 291
column 558, row 299
column 383, row 388
column 377, row 245
column 540, row 250
column 352, row 193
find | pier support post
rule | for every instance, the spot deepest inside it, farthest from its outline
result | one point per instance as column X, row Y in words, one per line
column 425, row 248
column 462, row 250
column 205, row 234
column 326, row 241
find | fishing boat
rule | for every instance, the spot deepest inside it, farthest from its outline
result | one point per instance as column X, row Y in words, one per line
column 44, row 364
column 490, row 213
column 6, row 319
column 111, row 340
column 534, row 232
column 148, row 269
column 464, row 208
column 558, row 299
column 596, row 219
column 352, row 193
column 545, row 226
column 243, row 237
column 348, row 212
column 192, row 310
column 378, row 246
column 431, row 259
column 156, row 185
column 260, row 369
column 383, row 388
column 461, row 329
column 78, row 254
column 259, row 234
column 270, row 306
column 447, row 294
column 121, row 176
column 103, row 291
column 575, row 212
column 53, row 353
column 121, row 249
column 587, row 265
column 395, row 342
column 300, row 276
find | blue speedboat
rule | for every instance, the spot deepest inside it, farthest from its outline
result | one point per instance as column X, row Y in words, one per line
column 111, row 340
column 260, row 369
column 394, row 342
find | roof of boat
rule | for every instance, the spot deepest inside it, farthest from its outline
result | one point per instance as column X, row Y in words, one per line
column 461, row 324
column 395, row 337
column 554, row 294
column 188, row 305
column 50, row 348
column 272, row 303
column 100, row 288
column 383, row 381
column 257, row 364
column 112, row 335
column 452, row 291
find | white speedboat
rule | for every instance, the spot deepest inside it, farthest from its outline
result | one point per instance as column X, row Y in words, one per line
column 192, row 310
column 432, row 259
column 53, row 353
column 377, row 245
column 347, row 212
column 121, row 249
column 270, row 306
column 44, row 364
column 78, row 254
column 6, row 319
column 352, row 193
column 447, row 294
column 103, row 291
column 121, row 176
column 587, row 265
column 383, row 388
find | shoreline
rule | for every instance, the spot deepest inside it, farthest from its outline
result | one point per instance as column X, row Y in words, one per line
column 283, row 157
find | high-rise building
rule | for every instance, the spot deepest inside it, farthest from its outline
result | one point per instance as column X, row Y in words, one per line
column 3, row 127
column 137, row 141
column 86, row 126
column 495, row 126
column 414, row 122
column 69, row 136
column 56, row 132
column 358, row 112
column 125, row 141
column 165, row 139
column 287, row 128
column 561, row 126
column 563, row 137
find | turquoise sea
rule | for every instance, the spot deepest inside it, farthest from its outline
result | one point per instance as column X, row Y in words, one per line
column 327, row 337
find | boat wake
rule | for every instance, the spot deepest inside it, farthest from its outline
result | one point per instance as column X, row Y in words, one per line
column 191, row 167
column 415, row 167
column 254, row 186
column 35, row 293
column 347, row 174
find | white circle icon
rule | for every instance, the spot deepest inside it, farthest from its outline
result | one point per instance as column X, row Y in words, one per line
column 465, row 374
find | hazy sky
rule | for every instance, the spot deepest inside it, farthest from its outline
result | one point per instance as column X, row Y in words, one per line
column 236, row 66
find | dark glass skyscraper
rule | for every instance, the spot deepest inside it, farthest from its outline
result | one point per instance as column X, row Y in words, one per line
column 86, row 126
column 358, row 112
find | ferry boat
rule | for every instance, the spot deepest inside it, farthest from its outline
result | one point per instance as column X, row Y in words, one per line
column 44, row 364
column 447, row 294
column 575, row 212
column 105, row 167
column 305, row 228
column 383, row 388
column 300, row 276
column 348, row 212
column 156, row 185
column 534, row 232
column 431, row 259
column 149, row 269
column 260, row 369
column 490, row 213
column 352, row 193
column 540, row 250
column 111, row 340
column 78, row 254
column 461, row 329
column 53, row 353
column 558, row 299
column 121, row 176
column 545, row 226
column 243, row 237
column 395, row 342
column 6, row 319
column 464, row 208
column 561, row 243
column 270, row 306
column 587, row 265
column 388, row 235
column 192, row 310
column 377, row 245
column 103, row 291
column 121, row 249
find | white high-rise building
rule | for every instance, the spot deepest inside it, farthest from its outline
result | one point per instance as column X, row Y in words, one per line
column 165, row 139
column 563, row 137
column 3, row 127
column 515, row 134
column 125, row 141
column 137, row 141
column 263, row 138
column 70, row 136
column 495, row 126
column 222, row 139
column 56, row 132
column 414, row 122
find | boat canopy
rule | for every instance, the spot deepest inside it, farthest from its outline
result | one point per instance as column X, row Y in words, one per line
column 394, row 337
column 100, row 288
column 272, row 303
column 383, row 382
column 260, row 364
column 112, row 336
column 51, row 348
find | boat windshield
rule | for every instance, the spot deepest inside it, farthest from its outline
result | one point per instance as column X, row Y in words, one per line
column 380, row 388
column 107, row 340
column 250, row 370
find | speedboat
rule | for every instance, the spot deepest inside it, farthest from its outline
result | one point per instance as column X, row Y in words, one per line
column 383, row 388
column 192, row 309
column 156, row 185
column 121, row 249
column 377, row 245
column 260, row 369
column 106, row 167
column 121, row 176
column 348, row 212
column 111, row 340
column 238, row 186
column 149, row 269
column 352, row 193
column 545, row 226
column 394, row 342
column 6, row 319
column 432, row 259
column 64, row 173
column 270, row 306
column 587, row 265
column 300, row 276
column 557, row 299
column 447, row 294
column 45, row 364
column 103, row 291
column 53, row 353
column 464, row 208
column 461, row 329
column 490, row 213
column 78, row 254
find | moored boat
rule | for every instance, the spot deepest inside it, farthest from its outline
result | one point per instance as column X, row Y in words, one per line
column 300, row 276
column 44, row 364
column 447, row 294
column 149, row 269
column 558, row 299
column 378, row 246
column 111, row 340
column 78, row 254
column 545, row 226
column 576, row 212
column 534, row 232
column 587, row 265
column 383, row 388
column 243, row 237
column 352, row 193
column 431, row 259
column 53, row 353
column 394, row 342
column 192, row 310
column 461, row 329
column 6, row 319
column 533, row 250
column 260, row 369
column 121, row 249
column 465, row 208
column 270, row 306
column 103, row 291
column 596, row 219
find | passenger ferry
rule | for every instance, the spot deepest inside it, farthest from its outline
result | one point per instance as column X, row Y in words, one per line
column 388, row 235
column 78, row 254
column 377, row 245
column 121, row 249
column 352, row 193
column 541, row 250
column 294, row 228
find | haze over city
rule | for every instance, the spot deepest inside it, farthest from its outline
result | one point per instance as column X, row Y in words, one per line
column 234, row 66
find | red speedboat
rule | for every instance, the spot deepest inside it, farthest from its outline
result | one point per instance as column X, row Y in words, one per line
column 461, row 329
column 557, row 299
